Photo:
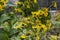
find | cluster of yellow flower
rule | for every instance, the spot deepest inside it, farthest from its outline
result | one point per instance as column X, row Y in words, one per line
column 26, row 3
column 33, row 22
column 41, row 12
column 36, row 23
column 3, row 4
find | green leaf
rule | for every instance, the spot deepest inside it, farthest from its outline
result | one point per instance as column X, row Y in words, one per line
column 4, row 36
column 3, row 18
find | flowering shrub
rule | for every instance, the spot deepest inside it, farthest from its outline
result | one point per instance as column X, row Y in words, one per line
column 24, row 21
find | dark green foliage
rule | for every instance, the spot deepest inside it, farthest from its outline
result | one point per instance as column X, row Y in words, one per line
column 4, row 36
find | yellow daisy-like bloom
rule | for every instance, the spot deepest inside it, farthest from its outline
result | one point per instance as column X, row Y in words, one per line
column 28, row 32
column 45, row 9
column 41, row 12
column 36, row 27
column 4, row 1
column 35, row 13
column 1, row 7
column 18, row 10
column 23, row 36
column 48, row 25
column 37, row 38
column 48, row 21
column 35, row 1
column 17, row 27
column 31, row 22
column 27, row 18
column 38, row 22
column 38, row 13
column 3, row 4
column 22, row 23
column 54, row 4
column 43, row 27
column 46, row 14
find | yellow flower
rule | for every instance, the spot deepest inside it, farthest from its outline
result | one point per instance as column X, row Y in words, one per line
column 37, row 13
column 18, row 10
column 48, row 25
column 23, row 36
column 54, row 4
column 11, row 12
column 28, row 32
column 53, row 37
column 23, row 23
column 41, row 12
column 37, row 38
column 43, row 27
column 33, row 13
column 33, row 27
column 37, row 27
column 46, row 14
column 30, row 22
column 38, row 21
column 37, row 35
column 18, row 27
column 1, row 7
column 27, row 18
column 28, row 6
column 16, row 3
column 48, row 21
column 35, row 1
column 45, row 9
column 4, row 5
column 4, row 1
